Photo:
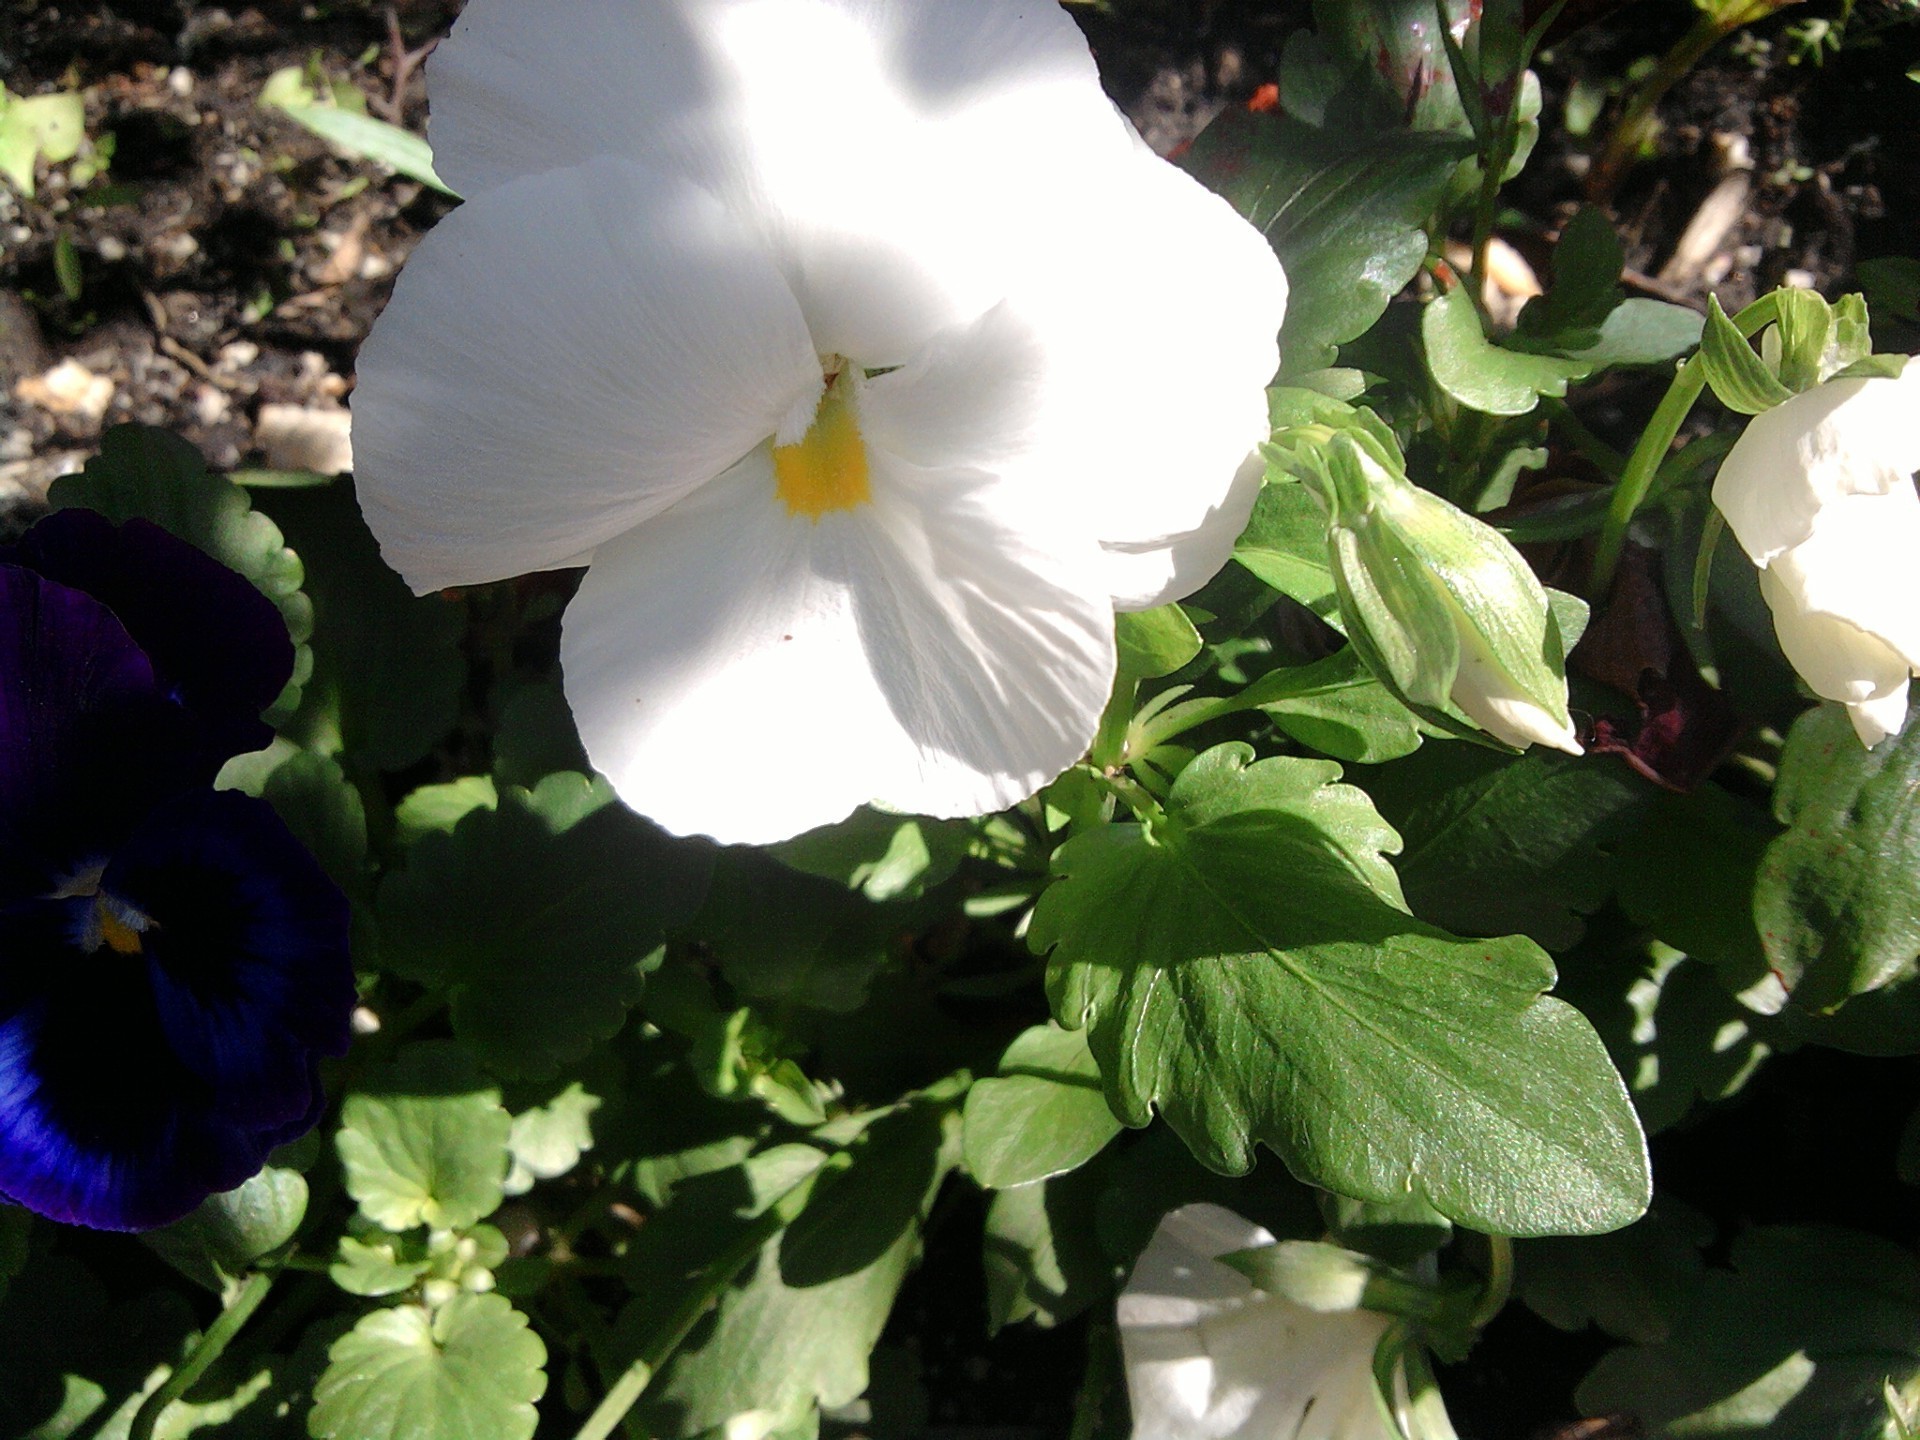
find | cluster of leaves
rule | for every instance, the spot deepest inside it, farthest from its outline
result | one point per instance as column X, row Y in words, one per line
column 642, row 1132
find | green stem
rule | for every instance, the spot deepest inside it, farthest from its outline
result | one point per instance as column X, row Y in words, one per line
column 704, row 1294
column 1656, row 440
column 1493, row 1296
column 212, row 1345
column 1135, row 795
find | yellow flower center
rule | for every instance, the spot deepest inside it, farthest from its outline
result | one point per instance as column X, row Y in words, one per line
column 826, row 469
column 120, row 937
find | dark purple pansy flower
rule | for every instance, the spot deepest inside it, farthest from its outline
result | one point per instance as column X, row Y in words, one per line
column 173, row 964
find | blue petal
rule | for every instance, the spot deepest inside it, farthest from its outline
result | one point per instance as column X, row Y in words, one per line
column 100, row 1124
column 88, row 740
column 217, row 644
column 247, row 953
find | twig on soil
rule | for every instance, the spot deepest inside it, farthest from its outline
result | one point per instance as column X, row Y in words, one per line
column 405, row 62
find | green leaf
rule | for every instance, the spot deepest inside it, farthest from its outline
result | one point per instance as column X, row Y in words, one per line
column 326, row 814
column 1837, row 899
column 1479, row 374
column 548, row 1140
column 826, row 949
column 1687, row 875
column 1285, row 545
column 470, row 1370
column 1796, row 1342
column 375, row 1266
column 387, row 670
column 1633, row 1283
column 796, row 1330
column 38, row 127
column 437, row 809
column 1044, row 1114
column 1247, row 968
column 1335, row 706
column 1042, row 1251
column 541, row 919
column 1738, row 377
column 1498, row 845
column 1346, row 211
column 1640, row 332
column 884, row 857
column 423, row 1141
column 221, row 1240
column 536, row 736
column 371, row 139
column 1587, row 261
column 153, row 475
column 1156, row 642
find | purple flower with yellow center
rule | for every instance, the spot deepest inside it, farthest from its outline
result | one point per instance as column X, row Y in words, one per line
column 173, row 963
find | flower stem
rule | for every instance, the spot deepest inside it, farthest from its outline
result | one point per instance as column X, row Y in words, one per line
column 1493, row 1296
column 212, row 1345
column 1637, row 480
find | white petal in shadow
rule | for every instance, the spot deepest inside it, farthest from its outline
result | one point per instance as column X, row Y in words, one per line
column 1861, row 563
column 1837, row 659
column 565, row 355
column 743, row 673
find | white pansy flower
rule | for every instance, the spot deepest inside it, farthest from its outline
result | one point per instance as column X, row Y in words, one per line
column 864, row 351
column 1819, row 491
column 1210, row 1357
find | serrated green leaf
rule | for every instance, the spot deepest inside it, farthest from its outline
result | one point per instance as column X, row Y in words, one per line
column 1633, row 1283
column 221, row 1239
column 149, row 473
column 540, row 918
column 1739, row 378
column 470, row 1370
column 1247, row 969
column 387, row 665
column 1043, row 1114
column 423, row 1141
column 1796, row 1342
column 1499, row 845
column 1345, row 210
column 311, row 795
column 374, row 1266
column 1479, row 374
column 1837, row 898
column 548, row 1140
column 436, row 809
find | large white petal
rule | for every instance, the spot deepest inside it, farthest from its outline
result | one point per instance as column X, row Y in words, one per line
column 1837, row 659
column 890, row 149
column 564, row 355
column 1209, row 1357
column 1860, row 563
column 740, row 672
column 1162, row 308
column 1843, row 438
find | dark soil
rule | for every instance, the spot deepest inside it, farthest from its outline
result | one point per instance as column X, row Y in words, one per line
column 228, row 261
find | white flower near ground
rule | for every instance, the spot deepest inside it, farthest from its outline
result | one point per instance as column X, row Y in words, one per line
column 864, row 351
column 1819, row 491
column 1209, row 1357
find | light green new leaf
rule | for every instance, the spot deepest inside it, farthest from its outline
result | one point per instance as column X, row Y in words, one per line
column 424, row 1141
column 469, row 1370
column 1479, row 374
column 548, row 1140
column 1345, row 210
column 153, row 475
column 436, row 809
column 1837, row 898
column 1796, row 1342
column 374, row 1266
column 1044, row 1114
column 371, row 139
column 37, row 127
column 1739, row 378
column 542, row 918
column 1247, row 968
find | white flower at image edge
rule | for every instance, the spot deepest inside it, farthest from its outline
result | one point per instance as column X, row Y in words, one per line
column 1819, row 491
column 1210, row 1357
column 862, row 351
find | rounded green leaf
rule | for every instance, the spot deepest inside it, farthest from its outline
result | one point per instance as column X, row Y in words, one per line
column 469, row 1370
column 228, row 1232
column 1044, row 1114
column 424, row 1141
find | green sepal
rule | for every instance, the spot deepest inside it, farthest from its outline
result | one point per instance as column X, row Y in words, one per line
column 1739, row 378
